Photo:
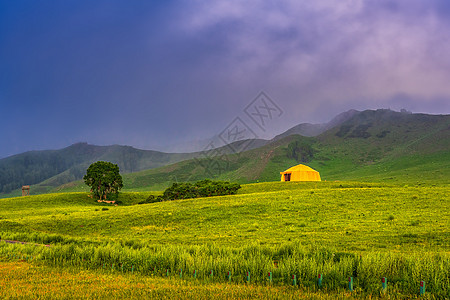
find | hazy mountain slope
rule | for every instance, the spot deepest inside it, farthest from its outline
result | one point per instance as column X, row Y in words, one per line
column 341, row 118
column 371, row 139
column 46, row 170
column 248, row 166
column 309, row 130
column 377, row 145
column 304, row 129
column 389, row 131
column 55, row 167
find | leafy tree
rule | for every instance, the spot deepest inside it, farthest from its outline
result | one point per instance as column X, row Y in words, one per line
column 104, row 180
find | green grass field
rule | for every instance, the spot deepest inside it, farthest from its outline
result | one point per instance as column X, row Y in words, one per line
column 338, row 229
column 30, row 281
column 347, row 161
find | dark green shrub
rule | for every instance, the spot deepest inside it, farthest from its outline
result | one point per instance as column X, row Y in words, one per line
column 203, row 188
column 151, row 199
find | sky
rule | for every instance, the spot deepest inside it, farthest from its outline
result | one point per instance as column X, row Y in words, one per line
column 164, row 75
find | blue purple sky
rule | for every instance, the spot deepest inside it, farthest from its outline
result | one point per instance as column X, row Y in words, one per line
column 156, row 73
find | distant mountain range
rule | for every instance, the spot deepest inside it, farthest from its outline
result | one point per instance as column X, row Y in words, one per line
column 354, row 142
column 57, row 167
column 380, row 145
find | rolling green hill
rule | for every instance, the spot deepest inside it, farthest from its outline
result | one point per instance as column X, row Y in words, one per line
column 339, row 229
column 271, row 212
column 382, row 212
column 387, row 145
column 380, row 145
column 377, row 145
column 48, row 169
column 51, row 168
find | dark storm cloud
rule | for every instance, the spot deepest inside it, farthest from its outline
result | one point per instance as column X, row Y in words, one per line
column 338, row 52
column 149, row 74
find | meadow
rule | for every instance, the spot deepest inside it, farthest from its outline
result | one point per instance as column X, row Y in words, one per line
column 70, row 283
column 338, row 229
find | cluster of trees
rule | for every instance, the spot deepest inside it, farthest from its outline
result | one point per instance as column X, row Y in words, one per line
column 203, row 188
column 28, row 168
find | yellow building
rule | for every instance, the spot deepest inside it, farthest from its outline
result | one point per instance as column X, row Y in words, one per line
column 300, row 173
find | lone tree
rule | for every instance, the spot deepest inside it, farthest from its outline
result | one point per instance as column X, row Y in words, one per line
column 104, row 180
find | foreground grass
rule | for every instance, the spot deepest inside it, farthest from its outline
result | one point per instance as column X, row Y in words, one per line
column 21, row 280
column 213, row 264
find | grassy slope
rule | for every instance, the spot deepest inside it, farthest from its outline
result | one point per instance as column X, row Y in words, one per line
column 350, row 216
column 381, row 145
column 389, row 224
column 413, row 147
column 397, row 148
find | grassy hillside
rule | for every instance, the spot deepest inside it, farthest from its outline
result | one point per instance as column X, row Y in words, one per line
column 383, row 211
column 383, row 146
column 46, row 171
column 270, row 213
column 306, row 228
column 380, row 145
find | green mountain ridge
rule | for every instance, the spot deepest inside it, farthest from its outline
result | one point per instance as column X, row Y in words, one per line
column 379, row 145
column 310, row 130
column 48, row 169
column 55, row 167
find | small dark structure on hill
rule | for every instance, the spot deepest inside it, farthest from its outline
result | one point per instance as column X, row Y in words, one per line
column 26, row 190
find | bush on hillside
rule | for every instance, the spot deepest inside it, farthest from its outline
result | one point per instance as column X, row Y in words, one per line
column 203, row 188
column 152, row 199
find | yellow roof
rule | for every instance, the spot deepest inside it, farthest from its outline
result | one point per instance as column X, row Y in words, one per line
column 300, row 168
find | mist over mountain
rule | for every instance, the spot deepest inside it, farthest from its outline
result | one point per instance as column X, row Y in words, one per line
column 307, row 129
column 71, row 163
